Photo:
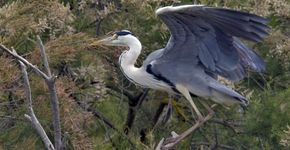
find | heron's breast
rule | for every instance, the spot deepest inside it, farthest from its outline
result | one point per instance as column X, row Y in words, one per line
column 140, row 77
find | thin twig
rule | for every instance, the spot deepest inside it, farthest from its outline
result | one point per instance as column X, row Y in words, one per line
column 20, row 58
column 214, row 145
column 124, row 91
column 92, row 110
column 102, row 119
column 223, row 146
column 31, row 117
column 226, row 124
column 12, row 118
column 43, row 55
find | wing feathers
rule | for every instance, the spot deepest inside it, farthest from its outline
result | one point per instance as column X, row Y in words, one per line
column 205, row 56
column 235, row 14
column 249, row 57
column 239, row 29
column 213, row 32
column 241, row 24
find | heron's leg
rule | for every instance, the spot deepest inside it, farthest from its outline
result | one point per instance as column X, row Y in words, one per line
column 169, row 105
column 184, row 91
column 171, row 142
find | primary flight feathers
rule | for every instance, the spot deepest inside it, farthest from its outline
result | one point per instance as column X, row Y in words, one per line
column 210, row 33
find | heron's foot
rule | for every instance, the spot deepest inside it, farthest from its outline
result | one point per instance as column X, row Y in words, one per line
column 200, row 117
column 210, row 110
column 169, row 143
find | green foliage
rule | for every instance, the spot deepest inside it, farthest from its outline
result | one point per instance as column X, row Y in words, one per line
column 268, row 117
column 20, row 20
column 89, row 78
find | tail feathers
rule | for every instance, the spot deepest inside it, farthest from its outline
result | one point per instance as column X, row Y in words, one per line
column 243, row 101
column 248, row 57
column 224, row 95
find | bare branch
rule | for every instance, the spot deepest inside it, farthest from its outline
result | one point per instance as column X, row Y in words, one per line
column 11, row 117
column 186, row 133
column 159, row 145
column 226, row 124
column 31, row 117
column 55, row 113
column 43, row 55
column 158, row 116
column 134, row 105
column 101, row 117
column 223, row 146
column 126, row 92
column 169, row 143
column 20, row 58
column 50, row 81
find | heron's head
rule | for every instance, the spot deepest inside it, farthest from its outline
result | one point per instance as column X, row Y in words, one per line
column 120, row 38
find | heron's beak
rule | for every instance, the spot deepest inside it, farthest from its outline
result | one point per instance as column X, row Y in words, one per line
column 109, row 41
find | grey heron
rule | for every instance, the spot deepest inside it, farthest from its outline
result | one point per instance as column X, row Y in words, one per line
column 204, row 44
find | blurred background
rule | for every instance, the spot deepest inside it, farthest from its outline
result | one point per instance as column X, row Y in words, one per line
column 101, row 109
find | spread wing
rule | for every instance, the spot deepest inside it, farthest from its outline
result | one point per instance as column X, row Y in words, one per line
column 206, row 37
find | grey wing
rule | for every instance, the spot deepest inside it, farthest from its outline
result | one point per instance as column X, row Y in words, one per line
column 205, row 39
column 153, row 56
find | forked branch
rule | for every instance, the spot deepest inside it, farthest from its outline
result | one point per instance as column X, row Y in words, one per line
column 53, row 96
column 50, row 81
column 23, row 60
column 31, row 117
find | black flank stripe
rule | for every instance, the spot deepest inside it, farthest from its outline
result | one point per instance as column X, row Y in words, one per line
column 161, row 78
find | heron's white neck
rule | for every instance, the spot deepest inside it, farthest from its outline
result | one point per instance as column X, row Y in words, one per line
column 138, row 75
column 129, row 58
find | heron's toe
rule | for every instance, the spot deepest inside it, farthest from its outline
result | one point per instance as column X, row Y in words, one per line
column 200, row 117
